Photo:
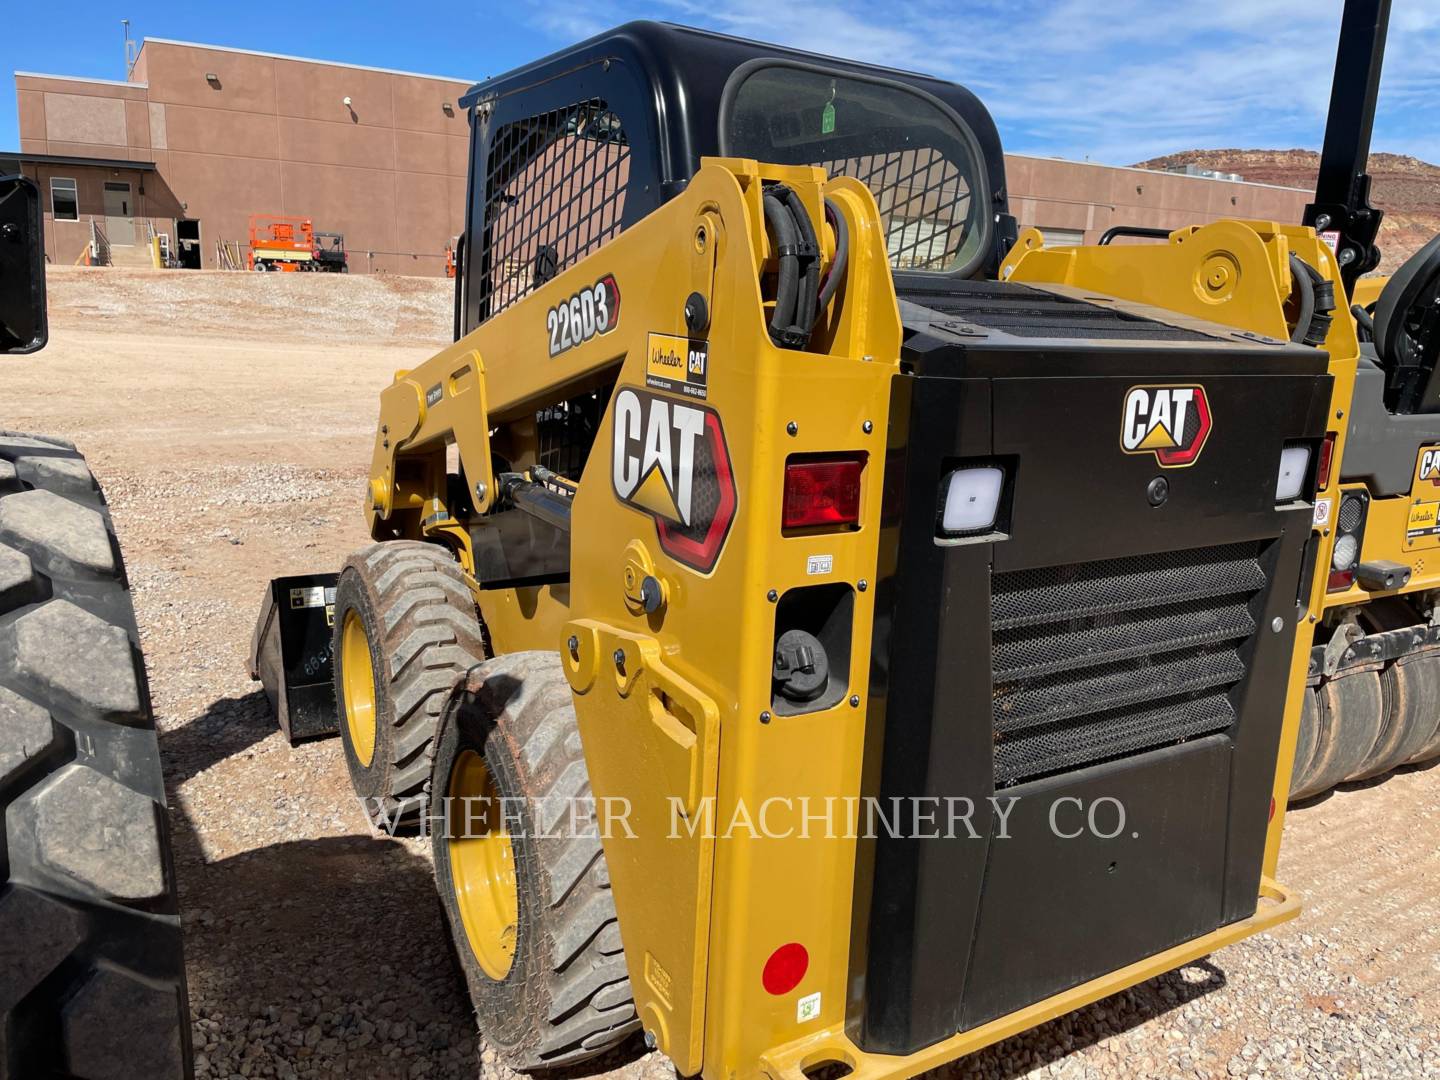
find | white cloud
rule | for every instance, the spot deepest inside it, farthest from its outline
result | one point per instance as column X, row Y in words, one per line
column 1117, row 82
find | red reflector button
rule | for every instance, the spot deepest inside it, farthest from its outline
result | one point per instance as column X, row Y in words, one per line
column 822, row 492
column 785, row 968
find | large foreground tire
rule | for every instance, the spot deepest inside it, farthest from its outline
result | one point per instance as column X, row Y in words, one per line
column 527, row 893
column 406, row 630
column 92, row 980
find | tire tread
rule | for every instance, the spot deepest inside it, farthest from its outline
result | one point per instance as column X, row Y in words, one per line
column 90, row 939
column 430, row 636
column 579, row 986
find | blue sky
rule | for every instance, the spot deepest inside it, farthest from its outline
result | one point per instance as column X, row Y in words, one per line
column 1143, row 78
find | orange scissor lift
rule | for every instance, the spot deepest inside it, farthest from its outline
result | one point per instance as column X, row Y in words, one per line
column 281, row 243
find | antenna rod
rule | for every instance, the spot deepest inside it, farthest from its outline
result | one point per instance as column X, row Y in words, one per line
column 131, row 55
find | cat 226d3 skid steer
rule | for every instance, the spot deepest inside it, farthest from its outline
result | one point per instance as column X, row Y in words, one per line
column 910, row 607
column 92, row 982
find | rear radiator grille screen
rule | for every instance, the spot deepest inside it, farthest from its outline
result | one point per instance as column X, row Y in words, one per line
column 1101, row 660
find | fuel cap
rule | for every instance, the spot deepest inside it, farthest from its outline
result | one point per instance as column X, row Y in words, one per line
column 801, row 667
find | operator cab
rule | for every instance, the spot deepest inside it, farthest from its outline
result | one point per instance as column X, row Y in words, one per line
column 570, row 150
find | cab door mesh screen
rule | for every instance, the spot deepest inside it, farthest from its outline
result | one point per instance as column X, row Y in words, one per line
column 924, row 203
column 554, row 192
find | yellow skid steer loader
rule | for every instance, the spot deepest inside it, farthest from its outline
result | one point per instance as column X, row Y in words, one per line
column 819, row 628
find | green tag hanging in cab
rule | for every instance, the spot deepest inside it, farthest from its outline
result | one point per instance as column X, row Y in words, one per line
column 827, row 119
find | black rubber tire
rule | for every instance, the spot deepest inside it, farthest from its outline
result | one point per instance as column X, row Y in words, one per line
column 566, row 996
column 424, row 633
column 92, row 976
column 1305, row 741
column 1412, row 697
column 1427, row 720
column 1394, row 721
column 1429, row 752
column 1351, row 712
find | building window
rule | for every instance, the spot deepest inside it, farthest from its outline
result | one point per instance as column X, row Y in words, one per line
column 64, row 202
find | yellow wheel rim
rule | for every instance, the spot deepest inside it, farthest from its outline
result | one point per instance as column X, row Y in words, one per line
column 482, row 866
column 359, row 687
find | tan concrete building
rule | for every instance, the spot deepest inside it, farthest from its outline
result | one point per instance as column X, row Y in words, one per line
column 1076, row 201
column 202, row 137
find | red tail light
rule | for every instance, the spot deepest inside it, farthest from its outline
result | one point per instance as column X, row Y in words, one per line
column 1340, row 580
column 1322, row 470
column 822, row 492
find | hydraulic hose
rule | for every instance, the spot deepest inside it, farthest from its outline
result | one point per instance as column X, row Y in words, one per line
column 842, row 256
column 1317, row 303
column 1319, row 328
column 800, row 296
column 782, row 321
column 808, row 260
column 1364, row 322
column 1306, row 289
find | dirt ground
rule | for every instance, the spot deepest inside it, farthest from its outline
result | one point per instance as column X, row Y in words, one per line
column 229, row 417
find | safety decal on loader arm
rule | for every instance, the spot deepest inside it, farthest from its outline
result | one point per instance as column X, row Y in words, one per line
column 669, row 460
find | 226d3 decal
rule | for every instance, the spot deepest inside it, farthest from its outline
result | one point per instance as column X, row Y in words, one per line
column 592, row 311
column 1171, row 422
column 669, row 460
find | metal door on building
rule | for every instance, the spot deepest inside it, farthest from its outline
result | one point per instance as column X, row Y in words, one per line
column 119, row 215
column 187, row 234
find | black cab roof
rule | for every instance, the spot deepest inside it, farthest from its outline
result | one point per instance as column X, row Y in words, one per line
column 640, row 105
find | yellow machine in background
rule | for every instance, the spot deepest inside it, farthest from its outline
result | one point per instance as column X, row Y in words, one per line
column 1371, row 656
column 1373, row 670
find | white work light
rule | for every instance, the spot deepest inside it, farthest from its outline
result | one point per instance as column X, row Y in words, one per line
column 1294, row 463
column 1346, row 548
column 972, row 499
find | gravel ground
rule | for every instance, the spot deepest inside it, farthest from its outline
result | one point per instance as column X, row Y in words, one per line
column 230, row 418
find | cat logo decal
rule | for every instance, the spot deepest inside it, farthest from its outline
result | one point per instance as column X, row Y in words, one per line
column 669, row 460
column 1171, row 422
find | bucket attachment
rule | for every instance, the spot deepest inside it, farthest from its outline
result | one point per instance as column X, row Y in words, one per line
column 292, row 654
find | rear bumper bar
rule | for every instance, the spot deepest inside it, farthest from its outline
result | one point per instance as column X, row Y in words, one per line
column 791, row 1060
